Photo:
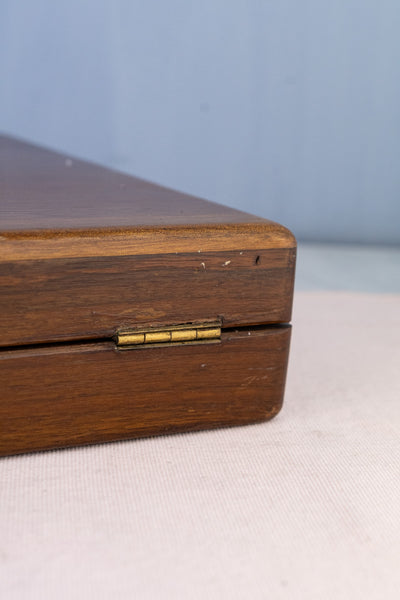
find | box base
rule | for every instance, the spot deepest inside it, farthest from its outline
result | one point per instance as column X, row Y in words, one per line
column 73, row 394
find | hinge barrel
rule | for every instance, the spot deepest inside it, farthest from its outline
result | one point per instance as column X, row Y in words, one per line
column 177, row 334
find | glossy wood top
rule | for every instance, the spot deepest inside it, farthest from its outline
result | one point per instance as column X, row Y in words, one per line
column 44, row 190
column 52, row 206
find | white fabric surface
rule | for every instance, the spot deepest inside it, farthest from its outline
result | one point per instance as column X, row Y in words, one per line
column 304, row 506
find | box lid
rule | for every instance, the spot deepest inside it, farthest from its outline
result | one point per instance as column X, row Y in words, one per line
column 86, row 251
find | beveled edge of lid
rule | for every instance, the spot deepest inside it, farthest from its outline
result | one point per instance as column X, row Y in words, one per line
column 48, row 244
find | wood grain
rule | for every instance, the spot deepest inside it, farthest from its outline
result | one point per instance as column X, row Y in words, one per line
column 85, row 251
column 52, row 206
column 72, row 299
column 45, row 191
column 142, row 241
column 81, row 394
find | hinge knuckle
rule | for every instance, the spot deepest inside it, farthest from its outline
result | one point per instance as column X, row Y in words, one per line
column 168, row 336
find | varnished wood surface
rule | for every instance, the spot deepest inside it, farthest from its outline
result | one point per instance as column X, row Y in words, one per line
column 81, row 394
column 72, row 299
column 85, row 251
column 52, row 206
column 143, row 241
column 45, row 190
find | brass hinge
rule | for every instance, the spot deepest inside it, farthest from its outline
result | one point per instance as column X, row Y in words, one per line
column 168, row 336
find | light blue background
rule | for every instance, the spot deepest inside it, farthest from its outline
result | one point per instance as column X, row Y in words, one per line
column 286, row 108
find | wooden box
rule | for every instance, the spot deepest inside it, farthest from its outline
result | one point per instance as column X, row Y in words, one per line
column 128, row 309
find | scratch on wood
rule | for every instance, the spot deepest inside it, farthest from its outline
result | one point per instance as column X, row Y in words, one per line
column 249, row 380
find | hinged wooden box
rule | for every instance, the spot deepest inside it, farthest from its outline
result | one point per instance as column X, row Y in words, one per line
column 129, row 310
